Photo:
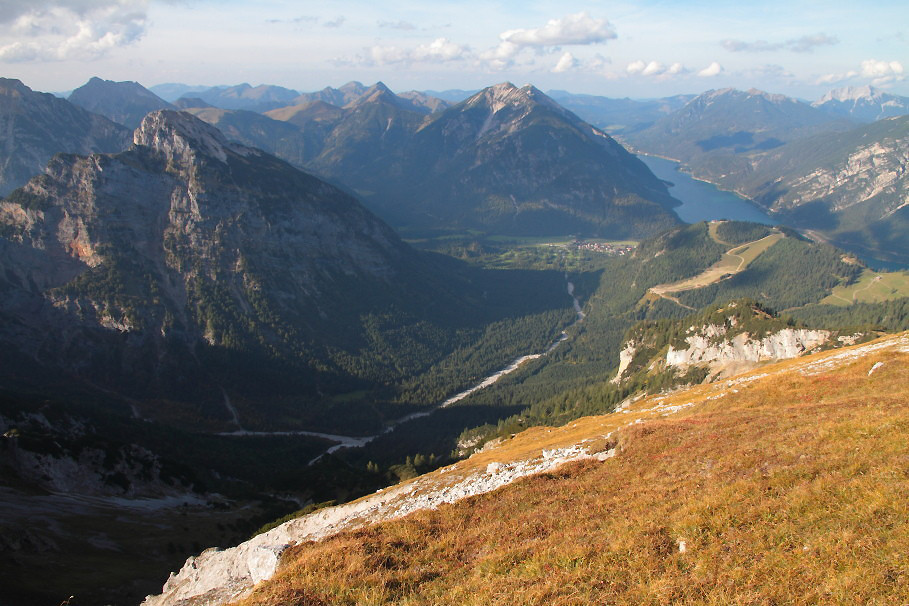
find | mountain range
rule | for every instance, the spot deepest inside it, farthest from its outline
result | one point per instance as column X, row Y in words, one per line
column 213, row 320
column 508, row 160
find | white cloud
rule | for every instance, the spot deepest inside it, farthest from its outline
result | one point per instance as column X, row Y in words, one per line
column 655, row 69
column 807, row 44
column 440, row 50
column 882, row 72
column 567, row 62
column 10, row 10
column 576, row 29
column 878, row 72
column 714, row 69
column 80, row 30
column 501, row 56
column 335, row 23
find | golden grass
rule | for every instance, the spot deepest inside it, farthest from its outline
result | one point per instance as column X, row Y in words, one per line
column 790, row 489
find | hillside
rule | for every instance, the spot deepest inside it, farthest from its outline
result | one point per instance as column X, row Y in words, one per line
column 784, row 484
column 730, row 123
column 716, row 134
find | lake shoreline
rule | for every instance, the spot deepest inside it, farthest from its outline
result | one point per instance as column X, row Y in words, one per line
column 703, row 200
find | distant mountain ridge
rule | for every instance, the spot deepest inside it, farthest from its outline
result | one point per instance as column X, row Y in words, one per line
column 126, row 103
column 616, row 116
column 508, row 159
column 730, row 122
column 243, row 96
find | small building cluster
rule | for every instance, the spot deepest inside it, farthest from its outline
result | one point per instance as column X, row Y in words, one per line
column 602, row 247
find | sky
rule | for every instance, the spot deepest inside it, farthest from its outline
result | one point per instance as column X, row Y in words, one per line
column 623, row 48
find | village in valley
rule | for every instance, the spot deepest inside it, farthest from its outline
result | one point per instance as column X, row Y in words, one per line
column 609, row 248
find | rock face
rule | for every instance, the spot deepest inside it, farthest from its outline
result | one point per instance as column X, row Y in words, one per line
column 126, row 103
column 721, row 340
column 36, row 126
column 704, row 347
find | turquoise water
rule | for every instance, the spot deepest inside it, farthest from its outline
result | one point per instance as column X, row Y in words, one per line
column 703, row 201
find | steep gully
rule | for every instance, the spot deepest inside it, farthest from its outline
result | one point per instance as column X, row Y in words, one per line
column 359, row 442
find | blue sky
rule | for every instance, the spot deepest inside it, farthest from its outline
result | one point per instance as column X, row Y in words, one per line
column 645, row 48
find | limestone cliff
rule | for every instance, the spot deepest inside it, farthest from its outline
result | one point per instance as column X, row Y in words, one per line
column 720, row 341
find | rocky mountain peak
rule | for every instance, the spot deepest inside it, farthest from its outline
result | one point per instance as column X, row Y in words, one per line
column 182, row 135
column 849, row 93
column 506, row 94
column 378, row 92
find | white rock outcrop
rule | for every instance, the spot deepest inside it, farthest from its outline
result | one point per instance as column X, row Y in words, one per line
column 787, row 343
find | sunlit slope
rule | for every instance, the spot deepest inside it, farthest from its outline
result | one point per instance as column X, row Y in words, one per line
column 785, row 485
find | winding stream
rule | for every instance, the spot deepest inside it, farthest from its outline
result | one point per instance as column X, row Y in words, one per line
column 359, row 442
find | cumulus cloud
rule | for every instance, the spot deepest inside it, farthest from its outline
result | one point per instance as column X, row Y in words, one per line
column 714, row 69
column 579, row 28
column 57, row 30
column 501, row 56
column 567, row 62
column 572, row 30
column 879, row 73
column 654, row 69
column 440, row 50
column 882, row 72
column 805, row 44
